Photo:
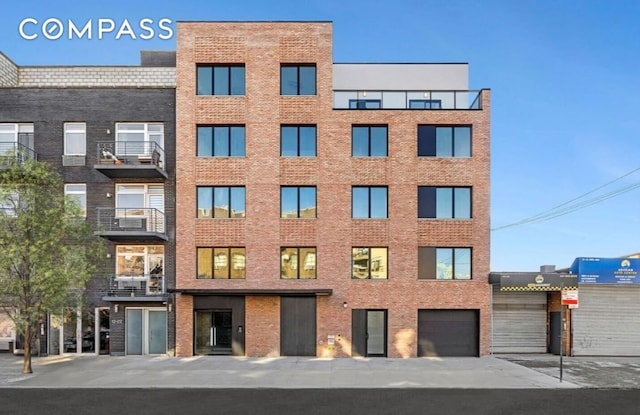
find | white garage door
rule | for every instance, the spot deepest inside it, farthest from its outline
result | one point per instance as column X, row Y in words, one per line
column 607, row 322
column 519, row 322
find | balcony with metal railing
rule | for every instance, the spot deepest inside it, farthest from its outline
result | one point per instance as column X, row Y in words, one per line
column 131, row 159
column 146, row 287
column 130, row 224
column 15, row 153
column 409, row 100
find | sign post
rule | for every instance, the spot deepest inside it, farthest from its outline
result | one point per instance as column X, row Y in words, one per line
column 568, row 298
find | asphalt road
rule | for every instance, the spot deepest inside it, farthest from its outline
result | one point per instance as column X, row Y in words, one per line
column 319, row 401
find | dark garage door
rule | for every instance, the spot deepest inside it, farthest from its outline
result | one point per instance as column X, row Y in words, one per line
column 298, row 326
column 448, row 333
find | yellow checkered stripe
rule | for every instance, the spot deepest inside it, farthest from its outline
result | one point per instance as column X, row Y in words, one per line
column 537, row 288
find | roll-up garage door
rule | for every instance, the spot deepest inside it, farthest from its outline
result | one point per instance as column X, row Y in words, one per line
column 519, row 322
column 448, row 333
column 607, row 322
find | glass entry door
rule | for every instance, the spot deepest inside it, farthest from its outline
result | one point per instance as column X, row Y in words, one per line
column 213, row 332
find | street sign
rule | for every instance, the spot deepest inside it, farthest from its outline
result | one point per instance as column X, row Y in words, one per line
column 570, row 298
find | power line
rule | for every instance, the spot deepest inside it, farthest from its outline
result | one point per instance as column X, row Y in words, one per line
column 555, row 211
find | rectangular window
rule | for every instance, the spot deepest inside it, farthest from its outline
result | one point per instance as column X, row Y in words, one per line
column 298, row 79
column 298, row 263
column 221, row 263
column 132, row 260
column 444, row 202
column 75, row 139
column 16, row 137
column 221, row 141
column 298, row 140
column 140, row 139
column 369, row 202
column 298, row 202
column 425, row 104
column 363, row 104
column 369, row 263
column 369, row 141
column 221, row 202
column 79, row 194
column 221, row 80
column 444, row 263
column 444, row 141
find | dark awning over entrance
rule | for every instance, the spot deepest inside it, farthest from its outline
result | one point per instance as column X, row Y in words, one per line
column 533, row 281
column 256, row 291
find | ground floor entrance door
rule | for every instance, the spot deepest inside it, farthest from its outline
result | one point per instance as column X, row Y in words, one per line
column 146, row 331
column 213, row 332
column 369, row 333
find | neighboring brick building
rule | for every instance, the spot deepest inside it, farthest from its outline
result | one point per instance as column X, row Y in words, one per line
column 110, row 132
column 326, row 209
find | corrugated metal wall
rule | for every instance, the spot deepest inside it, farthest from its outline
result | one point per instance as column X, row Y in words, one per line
column 519, row 322
column 607, row 322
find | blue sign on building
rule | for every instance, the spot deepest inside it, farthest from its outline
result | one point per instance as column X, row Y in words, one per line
column 606, row 270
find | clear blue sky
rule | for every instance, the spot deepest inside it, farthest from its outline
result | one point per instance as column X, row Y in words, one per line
column 564, row 75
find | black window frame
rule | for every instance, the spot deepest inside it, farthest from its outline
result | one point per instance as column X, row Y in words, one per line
column 298, row 79
column 426, row 138
column 230, row 85
column 369, row 202
column 426, row 104
column 365, row 104
column 369, row 127
column 213, row 208
column 300, row 263
column 213, row 127
column 428, row 263
column 369, row 263
column 298, row 188
column 297, row 127
column 430, row 202
column 213, row 265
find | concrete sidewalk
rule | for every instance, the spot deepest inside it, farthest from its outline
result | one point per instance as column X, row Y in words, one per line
column 285, row 372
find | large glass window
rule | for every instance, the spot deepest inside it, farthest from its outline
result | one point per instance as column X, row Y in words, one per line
column 142, row 139
column 132, row 260
column 369, row 263
column 298, row 79
column 16, row 137
column 369, row 202
column 75, row 139
column 369, row 141
column 221, row 263
column 221, row 202
column 221, row 80
column 444, row 141
column 298, row 263
column 444, row 263
column 298, row 141
column 444, row 202
column 221, row 141
column 79, row 193
column 298, row 202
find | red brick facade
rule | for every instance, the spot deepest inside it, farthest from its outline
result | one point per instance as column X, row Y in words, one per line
column 262, row 47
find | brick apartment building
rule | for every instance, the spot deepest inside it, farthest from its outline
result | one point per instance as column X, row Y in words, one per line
column 326, row 209
column 110, row 132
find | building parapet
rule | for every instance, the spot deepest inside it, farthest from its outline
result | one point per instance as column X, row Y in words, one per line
column 96, row 76
column 8, row 72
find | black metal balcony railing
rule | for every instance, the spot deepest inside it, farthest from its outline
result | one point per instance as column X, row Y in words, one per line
column 15, row 152
column 136, row 285
column 415, row 100
column 131, row 220
column 131, row 153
